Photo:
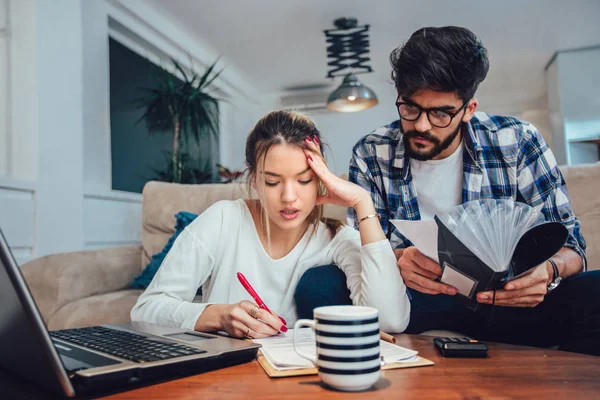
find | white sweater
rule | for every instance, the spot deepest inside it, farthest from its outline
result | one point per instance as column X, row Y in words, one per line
column 223, row 241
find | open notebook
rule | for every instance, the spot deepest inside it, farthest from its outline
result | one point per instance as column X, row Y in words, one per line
column 279, row 358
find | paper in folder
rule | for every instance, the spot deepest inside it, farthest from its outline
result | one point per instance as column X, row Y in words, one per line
column 483, row 244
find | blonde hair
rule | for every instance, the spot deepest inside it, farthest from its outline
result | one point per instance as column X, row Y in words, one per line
column 284, row 127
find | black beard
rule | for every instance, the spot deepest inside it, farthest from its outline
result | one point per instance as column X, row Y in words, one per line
column 438, row 145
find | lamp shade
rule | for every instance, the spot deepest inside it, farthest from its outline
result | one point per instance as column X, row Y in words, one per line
column 351, row 96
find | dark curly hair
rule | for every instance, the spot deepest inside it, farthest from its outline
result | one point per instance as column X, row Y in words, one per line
column 446, row 59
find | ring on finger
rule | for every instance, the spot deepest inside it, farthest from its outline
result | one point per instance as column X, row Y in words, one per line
column 254, row 311
column 247, row 335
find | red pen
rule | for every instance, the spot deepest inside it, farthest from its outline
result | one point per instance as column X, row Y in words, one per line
column 256, row 297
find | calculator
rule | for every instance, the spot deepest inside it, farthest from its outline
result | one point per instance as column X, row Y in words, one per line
column 460, row 347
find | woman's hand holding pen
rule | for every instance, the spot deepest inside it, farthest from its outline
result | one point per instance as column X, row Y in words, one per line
column 238, row 321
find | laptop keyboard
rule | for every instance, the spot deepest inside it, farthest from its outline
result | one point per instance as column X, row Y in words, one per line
column 129, row 346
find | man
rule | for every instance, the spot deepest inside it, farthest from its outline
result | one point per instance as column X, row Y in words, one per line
column 439, row 154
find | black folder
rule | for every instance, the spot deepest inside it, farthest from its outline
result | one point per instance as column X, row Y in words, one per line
column 535, row 246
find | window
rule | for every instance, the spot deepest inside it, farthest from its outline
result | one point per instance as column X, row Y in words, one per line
column 4, row 92
column 138, row 157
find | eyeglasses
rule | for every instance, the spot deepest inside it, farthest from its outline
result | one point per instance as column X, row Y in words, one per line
column 437, row 118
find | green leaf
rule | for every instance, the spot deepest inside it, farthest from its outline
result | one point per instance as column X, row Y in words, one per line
column 191, row 102
column 178, row 67
column 214, row 77
column 207, row 73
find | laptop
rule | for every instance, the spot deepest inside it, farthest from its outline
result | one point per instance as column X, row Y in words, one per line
column 101, row 358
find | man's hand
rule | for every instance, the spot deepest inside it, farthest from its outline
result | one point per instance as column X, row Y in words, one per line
column 527, row 291
column 420, row 271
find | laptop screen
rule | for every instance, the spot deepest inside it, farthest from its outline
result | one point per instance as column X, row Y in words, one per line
column 25, row 347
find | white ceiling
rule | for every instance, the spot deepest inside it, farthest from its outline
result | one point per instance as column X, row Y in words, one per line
column 280, row 44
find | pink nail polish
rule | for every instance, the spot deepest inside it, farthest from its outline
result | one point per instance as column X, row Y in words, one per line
column 316, row 140
column 309, row 157
column 284, row 329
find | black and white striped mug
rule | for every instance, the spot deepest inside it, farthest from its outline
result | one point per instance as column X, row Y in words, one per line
column 347, row 341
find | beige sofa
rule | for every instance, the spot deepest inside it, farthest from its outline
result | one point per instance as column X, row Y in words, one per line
column 92, row 287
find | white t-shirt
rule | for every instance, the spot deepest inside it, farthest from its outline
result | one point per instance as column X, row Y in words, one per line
column 223, row 241
column 438, row 183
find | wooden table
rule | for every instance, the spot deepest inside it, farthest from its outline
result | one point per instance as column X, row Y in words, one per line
column 510, row 372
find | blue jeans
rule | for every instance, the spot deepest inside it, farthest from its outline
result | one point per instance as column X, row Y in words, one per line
column 321, row 286
column 568, row 317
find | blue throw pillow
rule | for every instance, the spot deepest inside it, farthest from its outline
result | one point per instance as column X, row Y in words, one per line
column 143, row 280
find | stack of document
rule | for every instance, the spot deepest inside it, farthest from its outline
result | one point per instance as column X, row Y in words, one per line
column 279, row 350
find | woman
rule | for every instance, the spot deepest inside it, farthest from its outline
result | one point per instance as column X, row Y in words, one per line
column 273, row 241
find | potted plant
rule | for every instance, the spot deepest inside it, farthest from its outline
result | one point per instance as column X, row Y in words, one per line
column 185, row 108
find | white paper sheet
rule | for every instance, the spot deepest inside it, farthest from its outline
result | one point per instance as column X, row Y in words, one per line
column 423, row 234
column 279, row 350
column 463, row 283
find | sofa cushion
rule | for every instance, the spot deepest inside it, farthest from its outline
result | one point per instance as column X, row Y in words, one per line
column 142, row 280
column 583, row 185
column 106, row 308
column 161, row 201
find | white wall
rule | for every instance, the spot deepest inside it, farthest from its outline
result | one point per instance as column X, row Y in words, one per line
column 555, row 115
column 573, row 80
column 579, row 79
column 4, row 80
column 17, row 217
column 22, row 115
column 59, row 51
column 55, row 172
column 96, row 95
column 237, row 121
column 18, row 126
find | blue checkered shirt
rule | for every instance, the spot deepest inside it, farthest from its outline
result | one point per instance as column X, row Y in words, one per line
column 504, row 158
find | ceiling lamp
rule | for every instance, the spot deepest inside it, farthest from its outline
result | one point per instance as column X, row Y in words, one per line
column 348, row 49
column 351, row 96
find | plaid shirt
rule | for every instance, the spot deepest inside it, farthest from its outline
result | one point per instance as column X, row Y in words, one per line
column 504, row 158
